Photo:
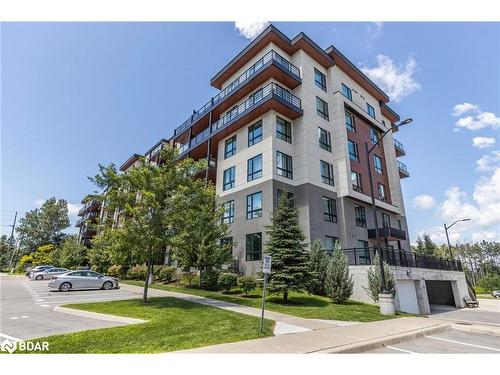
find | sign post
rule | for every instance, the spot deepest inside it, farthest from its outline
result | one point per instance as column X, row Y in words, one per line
column 266, row 269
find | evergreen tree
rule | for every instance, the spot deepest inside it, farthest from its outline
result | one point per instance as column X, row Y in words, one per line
column 318, row 264
column 425, row 246
column 290, row 270
column 339, row 284
column 374, row 279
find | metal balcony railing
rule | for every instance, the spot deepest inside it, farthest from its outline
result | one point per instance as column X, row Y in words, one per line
column 402, row 167
column 398, row 145
column 87, row 206
column 87, row 216
column 271, row 57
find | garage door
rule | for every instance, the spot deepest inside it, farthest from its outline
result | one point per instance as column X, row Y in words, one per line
column 440, row 292
column 405, row 292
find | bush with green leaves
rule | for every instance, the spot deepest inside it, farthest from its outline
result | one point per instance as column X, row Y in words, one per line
column 227, row 281
column 374, row 279
column 339, row 285
column 489, row 282
column 318, row 264
column 115, row 271
column 137, row 272
column 209, row 279
column 247, row 283
column 156, row 270
column 167, row 274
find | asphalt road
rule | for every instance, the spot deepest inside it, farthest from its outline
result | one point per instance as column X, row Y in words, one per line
column 26, row 308
column 488, row 312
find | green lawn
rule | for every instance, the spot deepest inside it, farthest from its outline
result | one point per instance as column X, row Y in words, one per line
column 173, row 324
column 300, row 304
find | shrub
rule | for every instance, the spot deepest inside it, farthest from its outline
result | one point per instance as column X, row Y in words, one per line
column 137, row 272
column 318, row 264
column 339, row 284
column 489, row 282
column 247, row 283
column 374, row 279
column 209, row 279
column 227, row 280
column 156, row 271
column 115, row 271
column 167, row 274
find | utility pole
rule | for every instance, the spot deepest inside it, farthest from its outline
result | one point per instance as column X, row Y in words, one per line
column 11, row 239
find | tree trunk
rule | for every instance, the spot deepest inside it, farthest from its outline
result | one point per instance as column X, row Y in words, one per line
column 148, row 272
column 285, row 296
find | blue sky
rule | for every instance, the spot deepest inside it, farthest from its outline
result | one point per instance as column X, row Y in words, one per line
column 78, row 94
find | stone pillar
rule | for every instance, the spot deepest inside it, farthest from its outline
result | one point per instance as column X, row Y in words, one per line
column 422, row 297
column 386, row 302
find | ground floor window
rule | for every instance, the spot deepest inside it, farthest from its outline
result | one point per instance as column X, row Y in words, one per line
column 330, row 242
column 253, row 247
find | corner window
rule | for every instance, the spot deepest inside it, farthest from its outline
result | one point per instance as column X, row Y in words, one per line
column 322, row 109
column 360, row 215
column 381, row 192
column 254, row 205
column 284, row 165
column 325, row 141
column 353, row 150
column 229, row 178
column 228, row 216
column 329, row 210
column 230, row 147
column 254, row 168
column 386, row 220
column 253, row 248
column 289, row 196
column 370, row 110
column 356, row 181
column 349, row 121
column 320, row 79
column 378, row 164
column 346, row 91
column 283, row 130
column 326, row 172
column 330, row 242
column 254, row 133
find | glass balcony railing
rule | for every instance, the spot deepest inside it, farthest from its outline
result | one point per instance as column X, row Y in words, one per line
column 398, row 145
column 270, row 57
column 256, row 98
column 402, row 167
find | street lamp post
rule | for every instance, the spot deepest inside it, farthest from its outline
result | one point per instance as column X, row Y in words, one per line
column 385, row 298
column 448, row 238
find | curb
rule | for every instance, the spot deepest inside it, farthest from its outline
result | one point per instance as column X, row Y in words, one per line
column 484, row 329
column 98, row 316
column 370, row 344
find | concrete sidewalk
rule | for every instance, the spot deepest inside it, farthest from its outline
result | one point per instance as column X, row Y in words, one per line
column 347, row 339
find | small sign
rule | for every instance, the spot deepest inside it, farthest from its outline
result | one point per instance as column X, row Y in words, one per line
column 266, row 264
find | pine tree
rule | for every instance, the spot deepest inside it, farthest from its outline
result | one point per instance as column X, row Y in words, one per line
column 339, row 284
column 374, row 279
column 318, row 264
column 290, row 265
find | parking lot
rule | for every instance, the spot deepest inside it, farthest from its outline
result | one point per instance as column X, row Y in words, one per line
column 27, row 308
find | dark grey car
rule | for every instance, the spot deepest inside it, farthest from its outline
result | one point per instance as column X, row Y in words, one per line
column 83, row 280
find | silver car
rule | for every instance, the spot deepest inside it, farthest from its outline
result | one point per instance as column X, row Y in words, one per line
column 83, row 280
column 48, row 273
column 37, row 269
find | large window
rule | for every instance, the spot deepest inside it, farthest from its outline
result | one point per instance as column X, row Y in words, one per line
column 319, row 79
column 330, row 242
column 349, row 121
column 360, row 214
column 329, row 210
column 373, row 135
column 253, row 248
column 325, row 140
column 229, row 178
column 346, row 91
column 326, row 172
column 381, row 192
column 283, row 130
column 254, row 205
column 254, row 133
column 356, row 181
column 322, row 109
column 254, row 168
column 371, row 110
column 230, row 147
column 353, row 150
column 378, row 164
column 228, row 216
column 386, row 220
column 289, row 196
column 284, row 165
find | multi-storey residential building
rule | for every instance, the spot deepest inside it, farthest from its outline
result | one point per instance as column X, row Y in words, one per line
column 88, row 218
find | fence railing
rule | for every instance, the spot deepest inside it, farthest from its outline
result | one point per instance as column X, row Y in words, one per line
column 402, row 167
column 398, row 145
column 87, row 205
column 360, row 256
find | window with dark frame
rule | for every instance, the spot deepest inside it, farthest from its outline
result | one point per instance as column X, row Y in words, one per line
column 378, row 164
column 399, row 224
column 283, row 130
column 373, row 135
column 386, row 220
column 254, row 133
column 330, row 242
column 356, row 181
column 346, row 91
column 381, row 192
column 289, row 196
column 371, row 110
column 228, row 216
column 353, row 150
column 254, row 205
column 230, row 147
column 349, row 121
column 254, row 168
column 329, row 210
column 322, row 109
column 284, row 165
column 325, row 140
column 253, row 248
column 229, row 178
column 326, row 173
column 360, row 215
column 320, row 79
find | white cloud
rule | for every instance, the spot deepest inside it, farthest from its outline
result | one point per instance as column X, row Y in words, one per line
column 489, row 162
column 396, row 80
column 485, row 235
column 250, row 29
column 424, row 202
column 483, row 142
column 39, row 202
column 438, row 235
column 476, row 121
column 374, row 29
column 73, row 209
column 460, row 109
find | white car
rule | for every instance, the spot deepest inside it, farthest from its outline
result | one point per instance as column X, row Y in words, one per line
column 48, row 273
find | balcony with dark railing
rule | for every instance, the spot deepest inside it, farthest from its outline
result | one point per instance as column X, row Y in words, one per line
column 403, row 170
column 88, row 216
column 273, row 63
column 271, row 96
column 398, row 146
column 392, row 234
column 400, row 258
column 90, row 205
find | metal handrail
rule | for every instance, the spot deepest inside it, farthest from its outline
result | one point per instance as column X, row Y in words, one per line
column 398, row 144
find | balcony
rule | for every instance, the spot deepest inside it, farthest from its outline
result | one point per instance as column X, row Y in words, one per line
column 269, row 97
column 87, row 231
column 392, row 234
column 90, row 205
column 398, row 146
column 273, row 63
column 88, row 216
column 403, row 170
column 400, row 258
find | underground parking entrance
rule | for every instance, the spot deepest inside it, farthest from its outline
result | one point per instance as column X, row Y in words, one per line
column 440, row 293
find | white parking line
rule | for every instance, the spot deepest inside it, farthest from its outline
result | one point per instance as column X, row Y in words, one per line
column 39, row 300
column 14, row 317
column 463, row 343
column 24, row 317
column 9, row 337
column 45, row 305
column 84, row 300
column 401, row 350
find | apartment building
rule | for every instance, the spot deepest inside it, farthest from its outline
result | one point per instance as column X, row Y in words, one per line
column 88, row 218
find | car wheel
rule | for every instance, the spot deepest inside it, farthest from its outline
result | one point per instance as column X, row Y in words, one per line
column 39, row 277
column 107, row 285
column 65, row 287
